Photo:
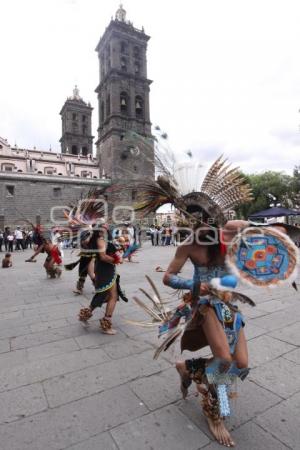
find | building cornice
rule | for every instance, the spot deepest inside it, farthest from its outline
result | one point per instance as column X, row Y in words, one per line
column 7, row 176
column 49, row 157
column 126, row 28
column 115, row 75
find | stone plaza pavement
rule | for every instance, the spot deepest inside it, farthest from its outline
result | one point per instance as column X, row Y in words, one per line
column 67, row 386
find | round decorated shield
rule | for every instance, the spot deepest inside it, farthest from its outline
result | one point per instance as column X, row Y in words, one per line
column 263, row 257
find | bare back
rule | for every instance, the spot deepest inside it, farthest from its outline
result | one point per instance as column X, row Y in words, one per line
column 199, row 254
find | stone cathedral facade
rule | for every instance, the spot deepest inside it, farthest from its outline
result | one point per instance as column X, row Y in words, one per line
column 123, row 101
column 33, row 181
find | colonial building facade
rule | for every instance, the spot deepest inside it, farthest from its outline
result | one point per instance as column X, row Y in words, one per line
column 32, row 181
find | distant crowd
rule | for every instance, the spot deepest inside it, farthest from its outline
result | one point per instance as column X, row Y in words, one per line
column 164, row 235
column 15, row 240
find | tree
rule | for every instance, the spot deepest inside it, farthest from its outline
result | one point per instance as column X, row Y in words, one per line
column 284, row 187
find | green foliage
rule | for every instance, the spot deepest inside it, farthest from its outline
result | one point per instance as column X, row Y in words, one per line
column 284, row 187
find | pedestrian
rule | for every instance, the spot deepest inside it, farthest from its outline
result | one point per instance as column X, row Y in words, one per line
column 19, row 239
column 10, row 241
column 153, row 233
column 29, row 239
column 158, row 235
column 140, row 236
column 174, row 231
column 131, row 232
column 168, row 232
column 1, row 240
column 163, row 235
column 5, row 234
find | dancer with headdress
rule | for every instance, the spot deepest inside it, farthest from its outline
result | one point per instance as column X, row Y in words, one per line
column 82, row 217
column 87, row 220
column 107, row 280
column 260, row 256
column 44, row 244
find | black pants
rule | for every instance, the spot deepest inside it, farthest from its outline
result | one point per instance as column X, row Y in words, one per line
column 10, row 246
column 19, row 244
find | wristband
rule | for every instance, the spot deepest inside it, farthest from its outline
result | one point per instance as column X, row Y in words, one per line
column 180, row 283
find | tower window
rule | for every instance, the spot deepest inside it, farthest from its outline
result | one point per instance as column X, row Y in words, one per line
column 74, row 150
column 74, row 127
column 133, row 194
column 83, row 118
column 102, row 111
column 108, row 105
column 123, row 47
column 136, row 52
column 135, row 168
column 124, row 102
column 139, row 106
column 74, row 116
column 10, row 191
column 84, row 130
column 84, row 151
column 124, row 64
column 137, row 68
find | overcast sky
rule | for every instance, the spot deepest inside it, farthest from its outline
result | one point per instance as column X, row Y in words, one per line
column 226, row 73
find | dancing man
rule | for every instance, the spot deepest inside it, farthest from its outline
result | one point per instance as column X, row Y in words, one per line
column 53, row 260
column 107, row 287
column 260, row 256
column 213, row 322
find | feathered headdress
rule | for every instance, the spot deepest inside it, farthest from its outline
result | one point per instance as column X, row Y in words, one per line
column 88, row 210
column 187, row 187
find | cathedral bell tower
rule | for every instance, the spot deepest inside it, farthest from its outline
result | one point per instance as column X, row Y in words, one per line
column 123, row 98
column 76, row 117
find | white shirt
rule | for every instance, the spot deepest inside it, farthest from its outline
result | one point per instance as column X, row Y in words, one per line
column 130, row 231
column 18, row 234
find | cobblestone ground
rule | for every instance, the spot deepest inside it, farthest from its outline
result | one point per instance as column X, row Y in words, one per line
column 64, row 385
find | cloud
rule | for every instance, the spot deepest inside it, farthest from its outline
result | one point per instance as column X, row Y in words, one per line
column 222, row 84
column 288, row 136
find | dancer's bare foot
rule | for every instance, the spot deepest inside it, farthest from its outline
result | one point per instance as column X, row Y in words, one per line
column 106, row 326
column 220, row 432
column 77, row 291
column 185, row 380
column 110, row 331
